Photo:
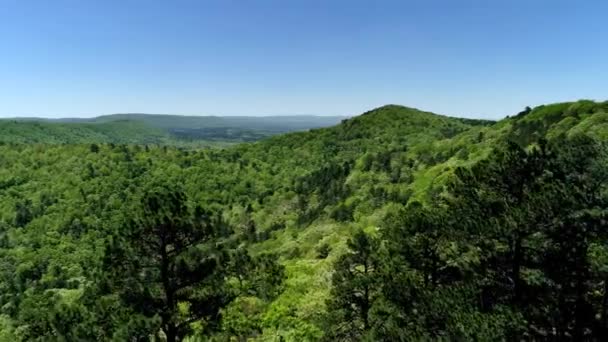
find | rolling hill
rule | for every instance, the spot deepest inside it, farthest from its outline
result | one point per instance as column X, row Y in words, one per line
column 175, row 130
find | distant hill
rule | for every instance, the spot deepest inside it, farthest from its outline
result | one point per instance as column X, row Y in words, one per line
column 162, row 129
column 276, row 123
column 46, row 132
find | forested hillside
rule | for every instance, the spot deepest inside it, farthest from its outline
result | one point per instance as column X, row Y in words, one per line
column 397, row 225
column 166, row 130
column 125, row 132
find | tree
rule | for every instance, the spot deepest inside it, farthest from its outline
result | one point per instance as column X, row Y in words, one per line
column 94, row 148
column 577, row 229
column 261, row 276
column 23, row 213
column 323, row 251
column 429, row 279
column 354, row 289
column 168, row 263
column 533, row 215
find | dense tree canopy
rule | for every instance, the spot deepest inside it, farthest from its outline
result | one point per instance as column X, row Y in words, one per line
column 394, row 225
column 507, row 253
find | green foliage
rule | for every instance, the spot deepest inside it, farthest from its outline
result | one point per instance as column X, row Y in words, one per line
column 166, row 257
column 354, row 289
column 146, row 129
column 33, row 132
column 507, row 253
column 475, row 230
column 323, row 251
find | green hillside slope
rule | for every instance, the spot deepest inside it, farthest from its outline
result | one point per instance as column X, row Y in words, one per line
column 354, row 175
column 298, row 197
column 120, row 132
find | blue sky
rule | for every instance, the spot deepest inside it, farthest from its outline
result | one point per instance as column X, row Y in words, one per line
column 480, row 58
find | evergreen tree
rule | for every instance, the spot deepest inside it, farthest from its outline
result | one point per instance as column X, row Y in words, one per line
column 355, row 289
column 168, row 263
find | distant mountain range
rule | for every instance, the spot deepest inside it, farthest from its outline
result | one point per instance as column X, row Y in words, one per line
column 179, row 130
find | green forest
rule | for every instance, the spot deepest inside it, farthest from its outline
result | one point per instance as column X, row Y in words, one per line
column 393, row 225
column 157, row 129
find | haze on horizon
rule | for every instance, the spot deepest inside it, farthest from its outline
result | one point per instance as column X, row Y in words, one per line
column 468, row 58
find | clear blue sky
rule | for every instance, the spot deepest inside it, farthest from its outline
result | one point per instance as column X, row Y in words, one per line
column 485, row 58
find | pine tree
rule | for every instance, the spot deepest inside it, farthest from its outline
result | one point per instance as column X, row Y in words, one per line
column 166, row 258
column 355, row 288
